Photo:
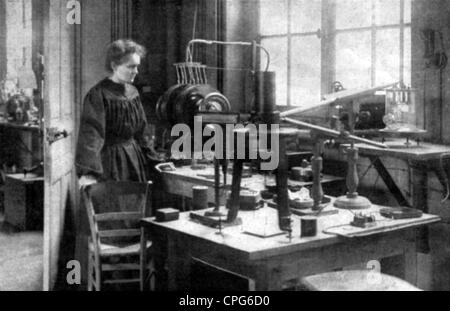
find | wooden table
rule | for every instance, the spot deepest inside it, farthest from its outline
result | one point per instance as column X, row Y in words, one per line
column 270, row 263
column 422, row 158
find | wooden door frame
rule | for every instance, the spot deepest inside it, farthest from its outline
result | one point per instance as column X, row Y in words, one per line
column 75, row 52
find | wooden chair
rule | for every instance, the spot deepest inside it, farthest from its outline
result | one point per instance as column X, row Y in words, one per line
column 118, row 249
column 355, row 280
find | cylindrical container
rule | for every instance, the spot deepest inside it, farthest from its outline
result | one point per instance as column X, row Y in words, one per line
column 200, row 197
column 308, row 226
column 265, row 93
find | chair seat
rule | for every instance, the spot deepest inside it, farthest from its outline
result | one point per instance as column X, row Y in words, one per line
column 107, row 250
column 356, row 280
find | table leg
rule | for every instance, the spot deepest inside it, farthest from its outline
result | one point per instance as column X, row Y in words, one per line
column 159, row 254
column 171, row 265
column 183, row 203
column 403, row 266
column 143, row 260
column 262, row 282
column 387, row 178
column 410, row 268
column 419, row 176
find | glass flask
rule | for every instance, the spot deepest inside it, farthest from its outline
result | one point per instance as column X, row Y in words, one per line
column 400, row 109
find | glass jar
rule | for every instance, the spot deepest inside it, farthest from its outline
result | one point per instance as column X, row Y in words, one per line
column 400, row 109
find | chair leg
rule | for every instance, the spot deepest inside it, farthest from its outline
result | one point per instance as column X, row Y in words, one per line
column 142, row 274
column 151, row 276
column 95, row 273
column 143, row 261
column 90, row 273
column 98, row 276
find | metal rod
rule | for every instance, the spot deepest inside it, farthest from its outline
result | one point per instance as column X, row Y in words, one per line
column 345, row 95
column 332, row 133
column 217, row 184
column 240, row 43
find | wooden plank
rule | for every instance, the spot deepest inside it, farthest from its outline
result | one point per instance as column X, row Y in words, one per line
column 387, row 178
column 120, row 233
column 397, row 149
column 117, row 216
column 120, row 267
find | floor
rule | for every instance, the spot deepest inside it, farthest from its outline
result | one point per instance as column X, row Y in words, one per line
column 20, row 259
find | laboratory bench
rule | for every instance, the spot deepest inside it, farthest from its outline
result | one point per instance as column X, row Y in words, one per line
column 422, row 159
column 261, row 257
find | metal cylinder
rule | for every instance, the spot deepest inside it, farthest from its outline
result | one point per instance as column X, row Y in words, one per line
column 308, row 227
column 200, row 197
column 265, row 92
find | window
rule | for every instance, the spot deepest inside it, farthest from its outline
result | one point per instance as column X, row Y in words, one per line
column 360, row 43
column 18, row 37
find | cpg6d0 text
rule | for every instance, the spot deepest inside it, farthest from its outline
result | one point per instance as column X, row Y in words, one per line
column 246, row 300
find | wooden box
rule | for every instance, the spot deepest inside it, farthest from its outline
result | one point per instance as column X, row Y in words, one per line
column 24, row 201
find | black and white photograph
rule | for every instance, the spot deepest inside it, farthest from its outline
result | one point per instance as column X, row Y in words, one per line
column 224, row 146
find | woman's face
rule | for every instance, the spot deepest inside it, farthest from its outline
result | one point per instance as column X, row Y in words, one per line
column 127, row 71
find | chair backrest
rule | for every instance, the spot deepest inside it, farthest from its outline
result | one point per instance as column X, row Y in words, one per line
column 114, row 210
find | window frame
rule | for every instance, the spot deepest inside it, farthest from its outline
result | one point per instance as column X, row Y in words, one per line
column 329, row 32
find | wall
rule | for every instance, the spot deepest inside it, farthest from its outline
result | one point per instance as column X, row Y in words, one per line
column 2, row 40
column 18, row 36
column 149, row 28
column 95, row 37
column 165, row 27
column 240, row 25
column 432, row 14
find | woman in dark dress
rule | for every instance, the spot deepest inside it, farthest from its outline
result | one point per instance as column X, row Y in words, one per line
column 111, row 143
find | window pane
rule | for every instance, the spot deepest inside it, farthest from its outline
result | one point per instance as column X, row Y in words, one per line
column 407, row 15
column 305, row 75
column 273, row 18
column 353, row 13
column 306, row 15
column 277, row 48
column 407, row 57
column 388, row 12
column 388, row 56
column 353, row 59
